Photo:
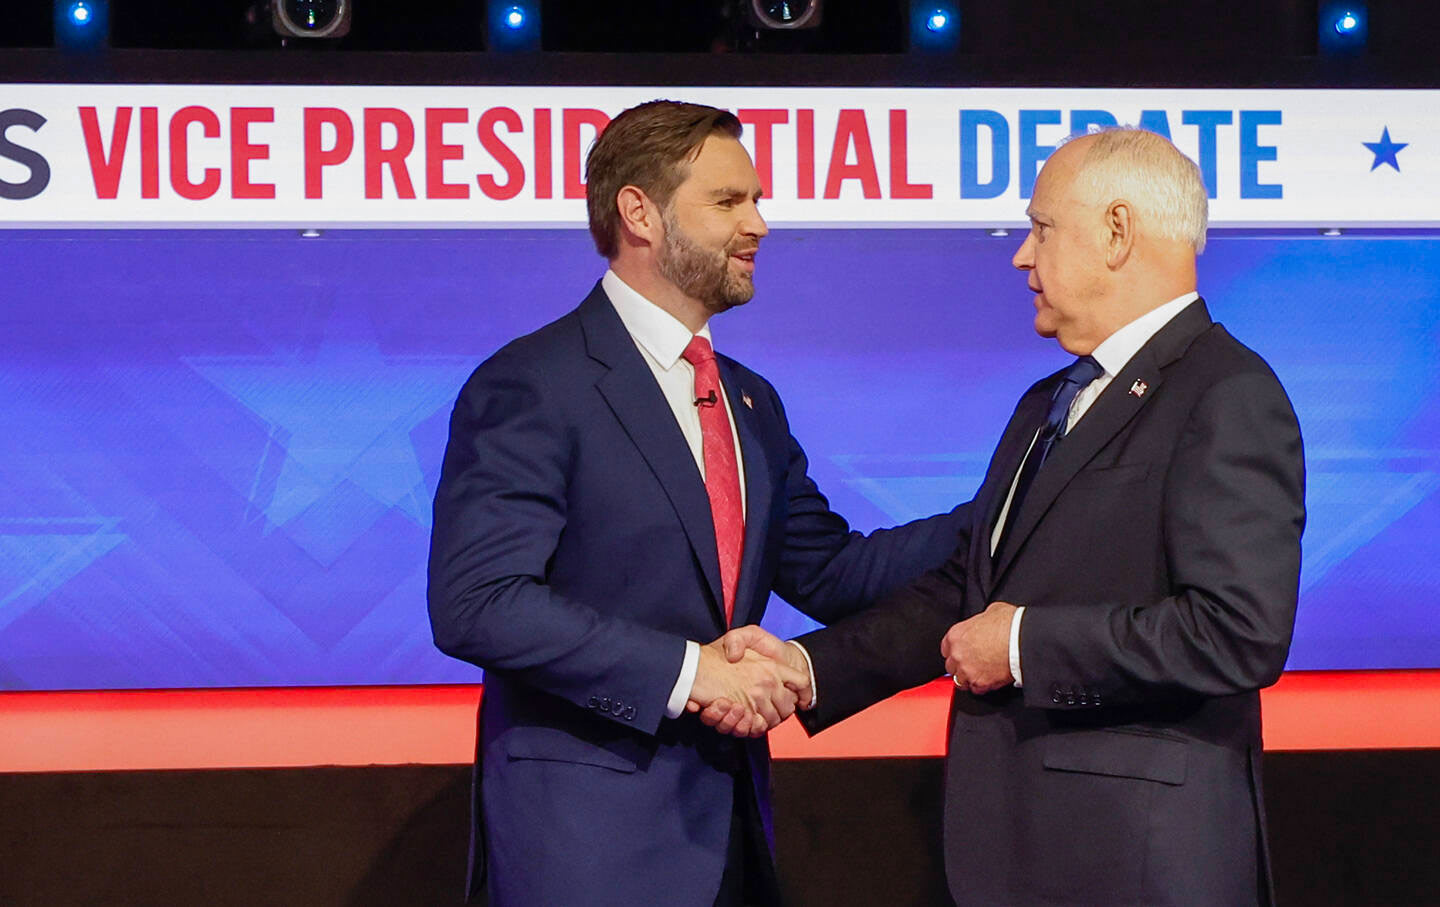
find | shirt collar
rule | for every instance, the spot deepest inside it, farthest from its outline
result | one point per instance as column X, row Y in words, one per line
column 1120, row 347
column 653, row 329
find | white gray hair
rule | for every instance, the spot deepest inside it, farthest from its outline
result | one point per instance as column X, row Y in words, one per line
column 1147, row 170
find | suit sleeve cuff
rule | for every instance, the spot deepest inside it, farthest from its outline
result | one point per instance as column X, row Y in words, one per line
column 809, row 669
column 1015, row 646
column 680, row 693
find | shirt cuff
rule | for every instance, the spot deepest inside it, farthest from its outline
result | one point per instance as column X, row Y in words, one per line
column 810, row 669
column 680, row 694
column 1015, row 646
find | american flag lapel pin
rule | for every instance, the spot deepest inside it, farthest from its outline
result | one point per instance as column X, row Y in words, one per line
column 1139, row 388
column 745, row 398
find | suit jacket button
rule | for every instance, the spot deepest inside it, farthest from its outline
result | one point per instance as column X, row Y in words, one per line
column 630, row 713
column 1095, row 699
column 1056, row 696
column 617, row 708
column 594, row 701
column 604, row 703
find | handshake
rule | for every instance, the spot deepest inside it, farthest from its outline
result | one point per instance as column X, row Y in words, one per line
column 748, row 681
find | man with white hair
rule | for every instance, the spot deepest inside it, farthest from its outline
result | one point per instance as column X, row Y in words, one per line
column 1128, row 580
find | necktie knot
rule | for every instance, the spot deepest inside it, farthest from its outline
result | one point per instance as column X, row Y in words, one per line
column 698, row 350
column 1083, row 370
column 1074, row 379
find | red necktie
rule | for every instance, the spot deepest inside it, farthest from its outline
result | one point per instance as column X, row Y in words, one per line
column 722, row 475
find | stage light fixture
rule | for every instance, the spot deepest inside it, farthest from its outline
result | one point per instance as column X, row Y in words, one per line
column 1344, row 27
column 934, row 28
column 311, row 18
column 512, row 26
column 785, row 15
column 81, row 24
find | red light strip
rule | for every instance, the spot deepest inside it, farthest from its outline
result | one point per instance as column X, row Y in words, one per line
column 300, row 726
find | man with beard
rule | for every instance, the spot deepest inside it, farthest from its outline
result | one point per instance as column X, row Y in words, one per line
column 614, row 494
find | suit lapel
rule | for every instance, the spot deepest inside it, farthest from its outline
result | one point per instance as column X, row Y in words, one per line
column 1008, row 454
column 1138, row 383
column 758, row 490
column 630, row 390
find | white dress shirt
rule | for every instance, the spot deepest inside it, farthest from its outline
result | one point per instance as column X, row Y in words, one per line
column 662, row 339
column 1113, row 355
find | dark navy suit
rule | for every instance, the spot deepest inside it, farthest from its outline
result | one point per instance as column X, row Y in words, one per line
column 573, row 554
column 1158, row 555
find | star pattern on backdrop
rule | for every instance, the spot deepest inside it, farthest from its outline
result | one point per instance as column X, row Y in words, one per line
column 1385, row 150
column 339, row 419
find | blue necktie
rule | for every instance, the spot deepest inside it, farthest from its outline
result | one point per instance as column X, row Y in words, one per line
column 1080, row 373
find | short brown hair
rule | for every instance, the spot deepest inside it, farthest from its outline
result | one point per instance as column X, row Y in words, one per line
column 649, row 146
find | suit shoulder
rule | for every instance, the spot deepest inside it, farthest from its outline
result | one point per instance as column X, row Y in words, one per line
column 537, row 353
column 1224, row 374
column 1218, row 355
column 560, row 339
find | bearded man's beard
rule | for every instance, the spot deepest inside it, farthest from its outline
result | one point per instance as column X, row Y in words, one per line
column 702, row 273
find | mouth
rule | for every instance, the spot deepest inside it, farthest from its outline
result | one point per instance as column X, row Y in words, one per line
column 745, row 259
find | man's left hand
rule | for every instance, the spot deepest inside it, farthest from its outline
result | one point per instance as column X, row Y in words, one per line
column 977, row 650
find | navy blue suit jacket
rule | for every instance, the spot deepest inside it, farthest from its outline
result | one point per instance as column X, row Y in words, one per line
column 572, row 556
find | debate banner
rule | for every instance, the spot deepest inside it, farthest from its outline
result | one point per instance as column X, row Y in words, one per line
column 377, row 156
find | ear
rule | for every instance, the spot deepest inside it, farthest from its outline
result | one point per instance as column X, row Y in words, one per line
column 1120, row 233
column 640, row 218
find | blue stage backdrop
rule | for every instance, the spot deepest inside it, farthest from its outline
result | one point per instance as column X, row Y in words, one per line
column 219, row 448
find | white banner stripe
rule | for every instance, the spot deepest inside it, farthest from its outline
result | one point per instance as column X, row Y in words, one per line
column 459, row 157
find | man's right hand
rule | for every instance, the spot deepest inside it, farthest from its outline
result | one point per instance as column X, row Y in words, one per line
column 742, row 645
column 743, row 690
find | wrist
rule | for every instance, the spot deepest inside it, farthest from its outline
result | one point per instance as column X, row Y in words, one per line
column 794, row 657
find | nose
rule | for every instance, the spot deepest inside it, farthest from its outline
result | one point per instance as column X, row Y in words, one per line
column 754, row 224
column 1024, row 258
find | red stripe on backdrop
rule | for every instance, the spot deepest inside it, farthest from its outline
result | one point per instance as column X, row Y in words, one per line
column 287, row 727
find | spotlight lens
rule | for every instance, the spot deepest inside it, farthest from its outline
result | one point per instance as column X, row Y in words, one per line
column 80, row 14
column 786, row 12
column 1347, row 23
column 312, row 15
column 514, row 17
column 937, row 21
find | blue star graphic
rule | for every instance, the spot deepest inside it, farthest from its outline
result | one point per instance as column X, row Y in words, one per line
column 340, row 420
column 1385, row 150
